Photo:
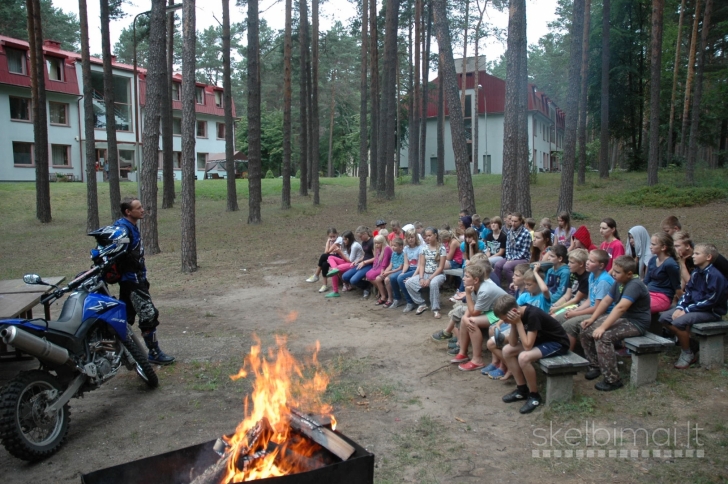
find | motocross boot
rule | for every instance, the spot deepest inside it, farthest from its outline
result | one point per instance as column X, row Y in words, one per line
column 156, row 355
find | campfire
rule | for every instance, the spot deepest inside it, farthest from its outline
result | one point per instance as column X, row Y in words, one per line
column 276, row 438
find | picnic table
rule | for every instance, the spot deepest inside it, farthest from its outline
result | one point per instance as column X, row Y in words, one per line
column 17, row 299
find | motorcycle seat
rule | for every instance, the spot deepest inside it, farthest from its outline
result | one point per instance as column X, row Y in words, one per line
column 71, row 315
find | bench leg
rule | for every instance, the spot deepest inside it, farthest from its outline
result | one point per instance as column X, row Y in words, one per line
column 644, row 369
column 559, row 388
column 711, row 351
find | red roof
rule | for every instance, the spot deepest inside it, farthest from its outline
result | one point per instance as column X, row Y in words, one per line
column 494, row 90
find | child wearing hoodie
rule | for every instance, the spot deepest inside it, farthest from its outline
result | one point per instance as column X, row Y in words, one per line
column 582, row 240
column 637, row 246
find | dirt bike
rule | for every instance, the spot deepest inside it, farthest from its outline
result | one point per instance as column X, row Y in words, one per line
column 88, row 345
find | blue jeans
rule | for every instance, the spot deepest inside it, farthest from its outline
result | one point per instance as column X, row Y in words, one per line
column 398, row 288
column 357, row 277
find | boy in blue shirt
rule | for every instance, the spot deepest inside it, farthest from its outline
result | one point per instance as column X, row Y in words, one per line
column 481, row 226
column 557, row 277
column 533, row 295
column 704, row 301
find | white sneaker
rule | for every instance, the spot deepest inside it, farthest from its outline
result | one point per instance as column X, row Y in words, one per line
column 408, row 308
column 324, row 288
column 365, row 295
column 395, row 304
column 312, row 279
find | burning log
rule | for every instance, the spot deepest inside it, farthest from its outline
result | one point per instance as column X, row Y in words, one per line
column 323, row 436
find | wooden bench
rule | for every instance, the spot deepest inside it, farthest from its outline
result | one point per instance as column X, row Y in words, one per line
column 560, row 371
column 710, row 338
column 453, row 272
column 645, row 350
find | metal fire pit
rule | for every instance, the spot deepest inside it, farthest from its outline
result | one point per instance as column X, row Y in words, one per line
column 174, row 468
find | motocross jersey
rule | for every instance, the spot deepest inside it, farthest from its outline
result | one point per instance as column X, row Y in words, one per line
column 132, row 266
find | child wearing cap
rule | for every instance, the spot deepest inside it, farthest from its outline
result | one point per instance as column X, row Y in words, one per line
column 381, row 224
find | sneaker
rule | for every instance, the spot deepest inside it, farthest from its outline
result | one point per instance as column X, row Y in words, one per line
column 488, row 369
column 496, row 374
column 605, row 386
column 332, row 272
column 460, row 359
column 453, row 344
column 454, row 339
column 685, row 360
column 499, row 338
column 441, row 335
column 323, row 288
column 593, row 373
column 158, row 357
column 531, row 404
column 333, row 294
column 312, row 279
column 454, row 350
column 515, row 396
column 365, row 294
column 409, row 308
column 395, row 304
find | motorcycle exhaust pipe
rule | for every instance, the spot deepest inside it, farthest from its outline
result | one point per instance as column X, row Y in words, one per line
column 42, row 349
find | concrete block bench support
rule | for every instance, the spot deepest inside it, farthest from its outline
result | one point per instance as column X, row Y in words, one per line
column 560, row 371
column 645, row 350
column 710, row 338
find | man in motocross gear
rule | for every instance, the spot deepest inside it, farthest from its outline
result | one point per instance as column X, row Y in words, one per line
column 134, row 286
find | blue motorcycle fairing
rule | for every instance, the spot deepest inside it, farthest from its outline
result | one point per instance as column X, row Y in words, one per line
column 107, row 309
column 26, row 323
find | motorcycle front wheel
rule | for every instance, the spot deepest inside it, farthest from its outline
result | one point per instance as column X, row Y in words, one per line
column 141, row 363
column 26, row 430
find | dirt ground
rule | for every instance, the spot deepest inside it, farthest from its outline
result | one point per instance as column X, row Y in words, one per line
column 425, row 421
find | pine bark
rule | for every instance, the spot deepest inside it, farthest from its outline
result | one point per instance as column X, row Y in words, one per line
column 581, row 133
column 315, row 159
column 232, row 192
column 464, row 67
column 523, row 191
column 254, row 154
column 697, row 97
column 387, row 119
column 92, row 198
column 40, row 113
column 332, row 112
column 457, row 129
column 374, row 145
column 416, row 97
column 287, row 105
column 440, row 121
column 604, row 128
column 566, row 194
column 425, row 94
column 689, row 80
column 653, row 161
column 168, row 193
column 189, row 122
column 476, row 89
column 363, row 130
column 112, row 153
column 303, row 97
column 675, row 71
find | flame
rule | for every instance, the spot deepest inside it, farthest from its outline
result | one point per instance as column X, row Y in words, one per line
column 279, row 385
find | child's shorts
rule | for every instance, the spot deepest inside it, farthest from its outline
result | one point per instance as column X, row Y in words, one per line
column 551, row 348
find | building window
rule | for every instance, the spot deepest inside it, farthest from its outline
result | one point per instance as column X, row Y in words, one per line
column 177, row 160
column 122, row 102
column 220, row 130
column 55, row 68
column 60, row 155
column 20, row 108
column 218, row 99
column 177, row 126
column 16, row 61
column 175, row 91
column 58, row 113
column 199, row 95
column 126, row 160
column 201, row 161
column 22, row 153
column 202, row 129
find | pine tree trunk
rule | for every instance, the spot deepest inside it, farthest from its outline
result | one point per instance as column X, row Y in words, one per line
column 92, row 199
column 425, row 101
column 374, row 73
column 309, row 108
column 697, row 97
column 604, row 128
column 254, row 155
column 40, row 113
column 523, row 190
column 156, row 87
column 303, row 97
column 363, row 131
column 387, row 116
column 653, row 161
column 581, row 132
column 315, row 159
column 168, row 194
column 112, row 152
column 675, row 70
column 232, row 192
column 332, row 111
column 464, row 67
column 476, row 90
column 392, row 144
column 287, row 105
column 689, row 80
column 416, row 98
column 440, row 121
column 457, row 129
column 189, row 122
column 511, row 122
column 566, row 194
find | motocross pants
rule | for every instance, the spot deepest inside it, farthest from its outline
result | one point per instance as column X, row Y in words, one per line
column 139, row 302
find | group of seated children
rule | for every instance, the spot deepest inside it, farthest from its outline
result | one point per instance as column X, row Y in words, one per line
column 607, row 295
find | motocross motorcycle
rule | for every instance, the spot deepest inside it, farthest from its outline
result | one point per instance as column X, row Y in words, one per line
column 88, row 345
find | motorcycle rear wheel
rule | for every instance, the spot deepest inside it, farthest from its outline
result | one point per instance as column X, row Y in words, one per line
column 141, row 363
column 25, row 430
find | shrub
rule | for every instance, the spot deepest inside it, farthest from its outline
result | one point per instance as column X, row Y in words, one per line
column 298, row 174
column 269, row 174
column 661, row 196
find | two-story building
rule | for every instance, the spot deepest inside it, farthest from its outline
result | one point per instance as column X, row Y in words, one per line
column 66, row 138
column 545, row 124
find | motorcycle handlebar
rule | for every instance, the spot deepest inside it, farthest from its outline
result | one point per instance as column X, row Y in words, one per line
column 96, row 269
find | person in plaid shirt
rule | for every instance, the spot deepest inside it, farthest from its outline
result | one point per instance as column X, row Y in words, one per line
column 518, row 249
